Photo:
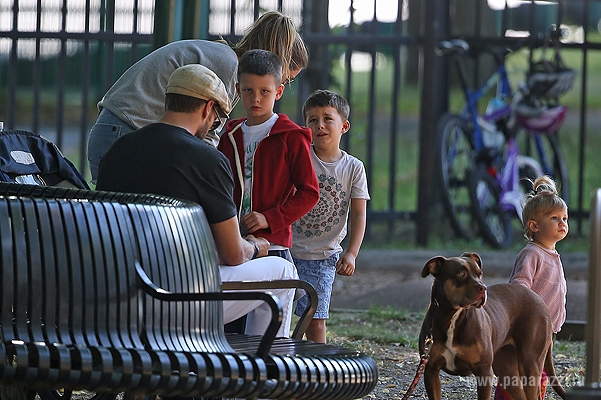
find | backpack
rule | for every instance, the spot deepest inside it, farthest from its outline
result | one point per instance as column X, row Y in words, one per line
column 28, row 158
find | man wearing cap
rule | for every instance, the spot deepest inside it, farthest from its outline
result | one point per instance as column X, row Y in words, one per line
column 170, row 158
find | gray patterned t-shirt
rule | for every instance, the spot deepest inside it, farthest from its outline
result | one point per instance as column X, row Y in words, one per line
column 318, row 234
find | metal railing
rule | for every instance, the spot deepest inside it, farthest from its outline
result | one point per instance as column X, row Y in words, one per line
column 70, row 53
column 592, row 388
column 593, row 324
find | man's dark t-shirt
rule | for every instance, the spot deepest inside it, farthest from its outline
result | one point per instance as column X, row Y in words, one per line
column 168, row 160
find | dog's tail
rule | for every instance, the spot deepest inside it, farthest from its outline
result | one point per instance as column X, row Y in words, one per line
column 550, row 370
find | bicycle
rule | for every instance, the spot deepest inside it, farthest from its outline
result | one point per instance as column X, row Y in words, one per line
column 485, row 157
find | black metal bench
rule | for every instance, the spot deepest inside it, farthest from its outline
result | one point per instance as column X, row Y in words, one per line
column 113, row 292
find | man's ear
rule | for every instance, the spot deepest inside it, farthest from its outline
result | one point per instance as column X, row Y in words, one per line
column 346, row 125
column 208, row 109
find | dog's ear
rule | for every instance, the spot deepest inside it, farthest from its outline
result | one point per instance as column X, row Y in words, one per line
column 473, row 256
column 433, row 266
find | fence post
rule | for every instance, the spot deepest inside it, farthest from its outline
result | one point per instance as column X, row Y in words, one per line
column 436, row 22
column 591, row 388
column 163, row 23
column 593, row 321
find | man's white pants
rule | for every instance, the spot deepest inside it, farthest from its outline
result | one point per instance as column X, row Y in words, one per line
column 259, row 313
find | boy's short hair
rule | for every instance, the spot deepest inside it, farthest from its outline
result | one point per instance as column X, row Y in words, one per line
column 327, row 98
column 260, row 62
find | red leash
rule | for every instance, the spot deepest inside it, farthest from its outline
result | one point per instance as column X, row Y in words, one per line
column 422, row 365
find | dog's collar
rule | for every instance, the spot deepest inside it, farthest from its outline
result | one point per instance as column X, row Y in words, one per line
column 433, row 299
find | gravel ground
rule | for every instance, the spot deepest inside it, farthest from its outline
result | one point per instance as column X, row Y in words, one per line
column 397, row 366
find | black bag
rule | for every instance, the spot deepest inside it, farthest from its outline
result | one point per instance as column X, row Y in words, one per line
column 28, row 158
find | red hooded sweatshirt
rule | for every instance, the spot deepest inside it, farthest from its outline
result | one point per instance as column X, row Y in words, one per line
column 284, row 185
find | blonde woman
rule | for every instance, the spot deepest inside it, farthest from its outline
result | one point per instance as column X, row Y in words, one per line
column 138, row 97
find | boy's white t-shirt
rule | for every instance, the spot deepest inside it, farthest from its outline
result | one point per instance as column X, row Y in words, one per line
column 252, row 137
column 318, row 234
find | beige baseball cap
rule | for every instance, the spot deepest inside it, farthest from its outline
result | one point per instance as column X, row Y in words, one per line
column 198, row 81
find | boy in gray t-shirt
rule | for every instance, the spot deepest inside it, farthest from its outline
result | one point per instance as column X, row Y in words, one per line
column 316, row 248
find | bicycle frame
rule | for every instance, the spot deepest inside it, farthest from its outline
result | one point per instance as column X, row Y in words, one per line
column 508, row 177
column 499, row 80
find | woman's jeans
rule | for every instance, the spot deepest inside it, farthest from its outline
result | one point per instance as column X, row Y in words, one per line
column 107, row 128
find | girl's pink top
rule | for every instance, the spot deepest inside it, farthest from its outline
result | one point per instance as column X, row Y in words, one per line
column 541, row 270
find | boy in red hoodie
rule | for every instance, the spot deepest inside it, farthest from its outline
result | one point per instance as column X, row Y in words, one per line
column 274, row 181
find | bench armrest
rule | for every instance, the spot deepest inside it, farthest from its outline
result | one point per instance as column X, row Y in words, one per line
column 305, row 319
column 150, row 288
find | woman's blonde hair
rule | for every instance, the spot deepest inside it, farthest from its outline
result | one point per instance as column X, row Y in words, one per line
column 275, row 32
column 542, row 199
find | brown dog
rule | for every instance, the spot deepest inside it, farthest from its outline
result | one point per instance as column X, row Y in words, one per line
column 477, row 330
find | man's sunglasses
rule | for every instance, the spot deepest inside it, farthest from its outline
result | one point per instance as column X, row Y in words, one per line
column 218, row 122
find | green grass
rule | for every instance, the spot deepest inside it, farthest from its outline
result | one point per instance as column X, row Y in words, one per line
column 379, row 325
column 388, row 325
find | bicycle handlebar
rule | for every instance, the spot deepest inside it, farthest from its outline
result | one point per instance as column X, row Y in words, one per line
column 462, row 47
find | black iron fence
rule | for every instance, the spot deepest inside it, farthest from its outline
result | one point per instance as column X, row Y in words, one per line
column 58, row 58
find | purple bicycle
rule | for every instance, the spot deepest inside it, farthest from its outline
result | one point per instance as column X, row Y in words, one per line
column 488, row 160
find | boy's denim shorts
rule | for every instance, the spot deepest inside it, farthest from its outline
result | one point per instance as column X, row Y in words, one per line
column 320, row 274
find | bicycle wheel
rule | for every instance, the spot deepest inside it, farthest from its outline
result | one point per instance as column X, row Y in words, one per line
column 454, row 147
column 547, row 152
column 494, row 222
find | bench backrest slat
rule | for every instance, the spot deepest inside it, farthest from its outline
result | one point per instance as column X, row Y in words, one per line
column 48, row 258
column 88, row 253
column 34, row 255
column 119, row 283
column 23, row 275
column 181, row 257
